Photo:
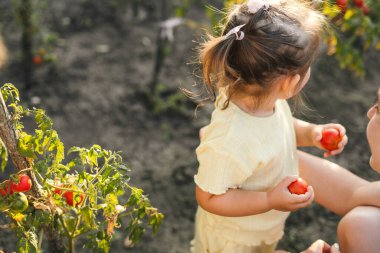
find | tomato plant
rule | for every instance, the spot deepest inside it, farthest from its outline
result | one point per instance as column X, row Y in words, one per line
column 72, row 198
column 298, row 187
column 18, row 202
column 6, row 188
column 89, row 195
column 330, row 139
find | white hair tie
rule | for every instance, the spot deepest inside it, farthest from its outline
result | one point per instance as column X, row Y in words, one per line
column 255, row 5
column 236, row 31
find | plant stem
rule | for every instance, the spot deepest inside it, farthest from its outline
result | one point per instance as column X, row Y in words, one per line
column 71, row 245
column 40, row 240
column 69, row 237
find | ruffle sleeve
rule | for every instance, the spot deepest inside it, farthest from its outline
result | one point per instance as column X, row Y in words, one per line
column 218, row 171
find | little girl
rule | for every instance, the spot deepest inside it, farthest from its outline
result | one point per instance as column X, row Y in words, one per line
column 247, row 155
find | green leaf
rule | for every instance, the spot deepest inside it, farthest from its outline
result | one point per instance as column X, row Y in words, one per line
column 27, row 244
column 88, row 217
column 25, row 146
column 3, row 155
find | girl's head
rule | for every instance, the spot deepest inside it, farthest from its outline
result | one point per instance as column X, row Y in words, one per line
column 373, row 133
column 260, row 44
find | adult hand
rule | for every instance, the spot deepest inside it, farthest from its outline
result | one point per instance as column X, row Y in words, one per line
column 321, row 246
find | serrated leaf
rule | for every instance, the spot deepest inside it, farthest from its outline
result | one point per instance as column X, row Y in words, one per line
column 88, row 217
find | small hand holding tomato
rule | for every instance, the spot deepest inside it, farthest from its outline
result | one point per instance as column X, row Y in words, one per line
column 280, row 198
column 330, row 137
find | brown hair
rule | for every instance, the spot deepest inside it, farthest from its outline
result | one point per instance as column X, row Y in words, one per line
column 279, row 39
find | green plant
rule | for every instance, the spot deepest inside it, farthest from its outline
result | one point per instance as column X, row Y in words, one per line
column 354, row 30
column 87, row 197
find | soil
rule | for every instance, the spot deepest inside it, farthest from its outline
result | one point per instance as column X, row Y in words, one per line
column 93, row 94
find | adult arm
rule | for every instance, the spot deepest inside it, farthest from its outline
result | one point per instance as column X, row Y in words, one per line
column 335, row 187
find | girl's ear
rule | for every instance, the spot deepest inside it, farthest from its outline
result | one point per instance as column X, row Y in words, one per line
column 289, row 85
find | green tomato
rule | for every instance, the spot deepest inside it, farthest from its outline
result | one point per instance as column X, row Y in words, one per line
column 18, row 202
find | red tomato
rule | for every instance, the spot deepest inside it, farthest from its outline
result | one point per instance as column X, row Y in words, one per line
column 6, row 188
column 359, row 3
column 342, row 4
column 37, row 60
column 298, row 187
column 366, row 10
column 330, row 139
column 56, row 190
column 69, row 196
column 24, row 184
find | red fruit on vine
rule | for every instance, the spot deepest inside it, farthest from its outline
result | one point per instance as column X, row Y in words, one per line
column 366, row 10
column 6, row 188
column 24, row 184
column 298, row 187
column 359, row 3
column 57, row 191
column 70, row 196
column 37, row 60
column 342, row 4
column 330, row 139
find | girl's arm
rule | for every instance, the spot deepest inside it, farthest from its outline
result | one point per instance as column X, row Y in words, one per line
column 308, row 134
column 304, row 133
column 238, row 202
column 335, row 187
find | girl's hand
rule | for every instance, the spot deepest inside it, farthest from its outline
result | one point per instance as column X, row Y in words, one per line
column 281, row 199
column 317, row 136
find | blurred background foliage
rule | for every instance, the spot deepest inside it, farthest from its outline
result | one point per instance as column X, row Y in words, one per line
column 354, row 28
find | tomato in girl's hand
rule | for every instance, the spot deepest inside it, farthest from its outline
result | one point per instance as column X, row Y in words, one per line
column 24, row 184
column 330, row 139
column 298, row 187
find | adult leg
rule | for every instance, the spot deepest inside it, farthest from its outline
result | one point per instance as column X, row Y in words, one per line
column 359, row 230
